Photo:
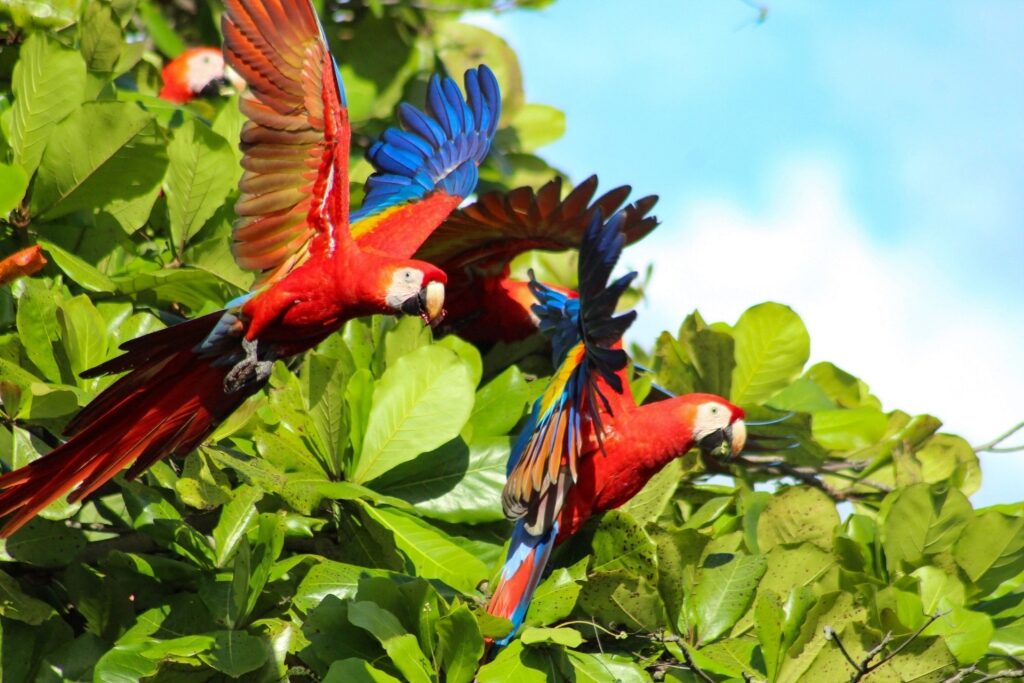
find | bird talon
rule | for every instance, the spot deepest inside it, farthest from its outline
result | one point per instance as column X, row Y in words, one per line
column 250, row 372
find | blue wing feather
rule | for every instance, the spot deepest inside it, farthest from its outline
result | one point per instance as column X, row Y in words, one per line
column 439, row 149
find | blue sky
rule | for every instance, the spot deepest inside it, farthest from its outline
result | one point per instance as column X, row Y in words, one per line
column 862, row 162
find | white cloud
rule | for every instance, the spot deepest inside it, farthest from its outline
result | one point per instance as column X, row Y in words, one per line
column 881, row 312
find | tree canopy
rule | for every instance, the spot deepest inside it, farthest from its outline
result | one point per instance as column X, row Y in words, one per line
column 346, row 524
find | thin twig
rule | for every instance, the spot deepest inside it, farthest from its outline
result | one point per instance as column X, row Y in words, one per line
column 830, row 634
column 687, row 659
column 1001, row 675
column 993, row 445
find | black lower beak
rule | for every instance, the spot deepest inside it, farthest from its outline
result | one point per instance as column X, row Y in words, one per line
column 718, row 444
column 416, row 305
column 214, row 88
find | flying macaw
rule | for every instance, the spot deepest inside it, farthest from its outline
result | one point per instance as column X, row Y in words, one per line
column 476, row 244
column 197, row 72
column 294, row 228
column 587, row 446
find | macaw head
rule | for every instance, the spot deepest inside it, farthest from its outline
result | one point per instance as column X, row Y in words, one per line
column 717, row 425
column 197, row 72
column 415, row 288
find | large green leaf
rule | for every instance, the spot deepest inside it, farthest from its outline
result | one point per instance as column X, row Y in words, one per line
column 461, row 644
column 400, row 645
column 13, row 183
column 455, row 483
column 795, row 515
column 725, row 590
column 201, row 173
column 991, row 549
column 106, row 156
column 921, row 521
column 772, row 346
column 422, row 401
column 433, row 553
column 48, row 84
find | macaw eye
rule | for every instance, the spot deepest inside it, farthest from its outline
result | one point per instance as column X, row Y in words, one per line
column 714, row 410
column 408, row 275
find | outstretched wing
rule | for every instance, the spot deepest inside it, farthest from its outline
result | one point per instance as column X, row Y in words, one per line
column 585, row 335
column 424, row 169
column 497, row 227
column 294, row 192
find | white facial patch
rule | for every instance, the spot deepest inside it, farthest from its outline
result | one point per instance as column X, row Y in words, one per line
column 405, row 283
column 711, row 417
column 203, row 68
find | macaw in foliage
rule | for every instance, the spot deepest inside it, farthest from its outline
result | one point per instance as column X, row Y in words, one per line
column 587, row 447
column 318, row 265
column 476, row 244
column 197, row 72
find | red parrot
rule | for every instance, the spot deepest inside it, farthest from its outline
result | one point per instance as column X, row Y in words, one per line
column 475, row 245
column 197, row 72
column 294, row 228
column 587, row 446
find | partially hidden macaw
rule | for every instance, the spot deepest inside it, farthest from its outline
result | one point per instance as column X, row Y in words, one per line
column 21, row 263
column 197, row 72
column 294, row 227
column 475, row 245
column 587, row 447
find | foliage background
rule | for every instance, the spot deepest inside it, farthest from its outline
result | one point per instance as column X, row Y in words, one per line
column 344, row 525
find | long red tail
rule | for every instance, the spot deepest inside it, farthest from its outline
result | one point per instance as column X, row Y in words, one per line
column 167, row 404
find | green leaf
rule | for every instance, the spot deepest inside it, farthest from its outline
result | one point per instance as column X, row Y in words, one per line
column 235, row 518
column 991, row 549
column 235, row 653
column 354, row 670
column 105, row 156
column 433, row 553
column 15, row 604
column 159, row 30
column 568, row 637
column 536, row 125
column 606, row 668
column 401, row 646
column 78, row 269
column 515, row 664
column 556, row 596
column 967, row 633
column 48, row 84
column 725, row 590
column 101, row 36
column 461, row 644
column 921, row 521
column 201, row 173
column 795, row 515
column 337, row 579
column 39, row 330
column 772, row 346
column 44, row 543
column 654, row 497
column 455, row 483
column 849, row 429
column 83, row 332
column 422, row 401
column 13, row 183
column 499, row 403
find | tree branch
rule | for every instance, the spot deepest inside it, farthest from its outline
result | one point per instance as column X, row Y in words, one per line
column 993, row 445
column 865, row 666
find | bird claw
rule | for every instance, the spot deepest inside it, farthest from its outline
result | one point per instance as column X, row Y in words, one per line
column 248, row 373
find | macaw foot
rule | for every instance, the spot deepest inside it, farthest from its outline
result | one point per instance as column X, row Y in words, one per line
column 250, row 372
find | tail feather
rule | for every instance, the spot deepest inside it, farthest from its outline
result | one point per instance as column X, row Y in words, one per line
column 166, row 405
column 524, row 566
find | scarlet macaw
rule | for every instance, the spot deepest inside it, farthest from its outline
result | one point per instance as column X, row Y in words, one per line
column 475, row 245
column 587, row 446
column 293, row 227
column 197, row 72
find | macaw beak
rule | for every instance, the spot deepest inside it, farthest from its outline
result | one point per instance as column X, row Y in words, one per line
column 427, row 304
column 725, row 444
